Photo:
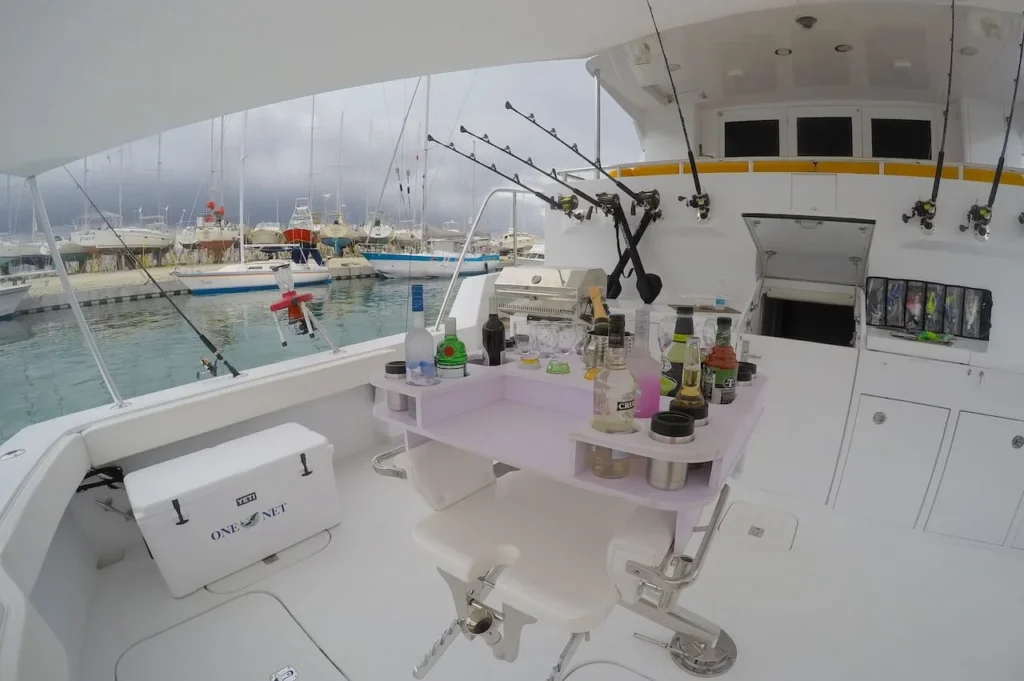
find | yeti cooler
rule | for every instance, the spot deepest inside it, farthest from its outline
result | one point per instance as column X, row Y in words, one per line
column 218, row 510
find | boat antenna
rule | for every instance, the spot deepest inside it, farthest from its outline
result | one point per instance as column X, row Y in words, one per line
column 700, row 201
column 648, row 284
column 638, row 199
column 926, row 210
column 211, row 367
column 979, row 217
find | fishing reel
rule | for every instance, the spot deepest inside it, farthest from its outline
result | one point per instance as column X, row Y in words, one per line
column 210, row 367
column 978, row 219
column 925, row 210
column 650, row 201
column 569, row 203
column 701, row 203
column 1020, row 218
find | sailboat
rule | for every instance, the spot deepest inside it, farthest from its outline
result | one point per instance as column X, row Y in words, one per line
column 307, row 267
column 426, row 262
column 854, row 514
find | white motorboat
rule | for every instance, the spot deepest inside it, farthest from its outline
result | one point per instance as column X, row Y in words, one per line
column 91, row 232
column 10, row 297
column 266, row 234
column 429, row 264
column 510, row 241
column 875, row 516
column 534, row 256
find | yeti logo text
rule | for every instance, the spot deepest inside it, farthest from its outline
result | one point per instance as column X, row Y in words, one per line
column 248, row 522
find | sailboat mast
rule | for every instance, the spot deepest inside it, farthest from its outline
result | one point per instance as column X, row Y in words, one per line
column 222, row 161
column 241, row 192
column 85, row 189
column 213, row 159
column 312, row 116
column 159, row 165
column 341, row 140
column 120, row 181
column 10, row 227
column 366, row 185
column 472, row 187
column 423, row 190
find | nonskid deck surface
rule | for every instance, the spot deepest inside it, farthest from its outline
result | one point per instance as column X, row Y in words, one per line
column 847, row 601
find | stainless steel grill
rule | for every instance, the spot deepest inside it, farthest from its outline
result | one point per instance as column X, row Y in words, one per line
column 548, row 293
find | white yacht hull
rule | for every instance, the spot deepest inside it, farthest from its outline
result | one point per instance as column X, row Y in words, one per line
column 10, row 297
column 134, row 239
column 429, row 265
column 250, row 277
column 265, row 236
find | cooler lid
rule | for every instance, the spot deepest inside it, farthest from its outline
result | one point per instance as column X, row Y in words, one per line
column 193, row 475
column 829, row 250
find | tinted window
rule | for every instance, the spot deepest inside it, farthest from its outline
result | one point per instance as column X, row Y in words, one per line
column 900, row 138
column 832, row 136
column 752, row 138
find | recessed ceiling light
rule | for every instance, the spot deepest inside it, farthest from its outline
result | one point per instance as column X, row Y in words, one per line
column 968, row 51
column 783, row 52
column 843, row 47
column 902, row 64
column 734, row 73
column 673, row 67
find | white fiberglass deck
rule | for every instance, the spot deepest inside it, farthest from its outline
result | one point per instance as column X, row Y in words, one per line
column 847, row 602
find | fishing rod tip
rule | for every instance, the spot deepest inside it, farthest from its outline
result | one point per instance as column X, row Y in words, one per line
column 508, row 104
column 462, row 129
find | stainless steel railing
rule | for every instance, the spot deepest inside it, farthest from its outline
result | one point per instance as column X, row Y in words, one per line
column 514, row 192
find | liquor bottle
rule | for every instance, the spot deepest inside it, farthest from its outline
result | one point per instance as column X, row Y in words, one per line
column 493, row 338
column 675, row 357
column 614, row 402
column 451, row 353
column 600, row 312
column 419, row 346
column 645, row 369
column 690, row 400
column 720, row 366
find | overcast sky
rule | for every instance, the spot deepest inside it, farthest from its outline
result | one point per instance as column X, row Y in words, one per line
column 561, row 94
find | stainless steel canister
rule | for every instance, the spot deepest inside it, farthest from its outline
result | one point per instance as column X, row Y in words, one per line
column 396, row 371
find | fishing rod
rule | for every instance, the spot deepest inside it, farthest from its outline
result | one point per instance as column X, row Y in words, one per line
column 979, row 217
column 647, row 285
column 210, row 366
column 926, row 210
column 638, row 199
column 700, row 201
column 565, row 204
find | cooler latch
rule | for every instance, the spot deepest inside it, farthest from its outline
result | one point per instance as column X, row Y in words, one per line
column 305, row 469
column 177, row 509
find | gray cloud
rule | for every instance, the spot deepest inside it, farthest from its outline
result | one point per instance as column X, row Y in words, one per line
column 277, row 144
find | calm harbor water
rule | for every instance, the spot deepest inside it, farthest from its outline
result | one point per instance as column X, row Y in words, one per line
column 46, row 369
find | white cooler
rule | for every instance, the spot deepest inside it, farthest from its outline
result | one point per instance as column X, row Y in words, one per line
column 218, row 510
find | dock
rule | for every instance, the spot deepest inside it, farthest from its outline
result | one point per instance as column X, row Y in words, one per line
column 110, row 288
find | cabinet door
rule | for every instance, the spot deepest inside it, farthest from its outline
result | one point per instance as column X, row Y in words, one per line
column 795, row 446
column 892, row 456
column 983, row 481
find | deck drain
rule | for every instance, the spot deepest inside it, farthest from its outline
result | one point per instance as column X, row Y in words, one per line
column 759, row 527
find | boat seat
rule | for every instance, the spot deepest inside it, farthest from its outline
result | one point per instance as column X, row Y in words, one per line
column 564, row 548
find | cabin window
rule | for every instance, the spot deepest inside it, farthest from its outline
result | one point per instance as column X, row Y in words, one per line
column 752, row 138
column 901, row 138
column 824, row 136
column 807, row 321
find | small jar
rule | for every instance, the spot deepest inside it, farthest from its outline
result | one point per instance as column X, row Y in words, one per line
column 396, row 371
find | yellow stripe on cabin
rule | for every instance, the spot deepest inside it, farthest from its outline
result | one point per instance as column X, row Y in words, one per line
column 784, row 167
column 719, row 167
column 848, row 167
column 949, row 172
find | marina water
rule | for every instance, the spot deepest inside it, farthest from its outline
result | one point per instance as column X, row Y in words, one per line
column 46, row 369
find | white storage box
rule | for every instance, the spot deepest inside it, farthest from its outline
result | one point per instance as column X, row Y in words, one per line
column 215, row 511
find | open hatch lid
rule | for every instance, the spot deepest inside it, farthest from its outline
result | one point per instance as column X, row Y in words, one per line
column 829, row 250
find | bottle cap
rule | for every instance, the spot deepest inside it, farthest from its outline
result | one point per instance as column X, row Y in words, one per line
column 744, row 374
column 449, row 326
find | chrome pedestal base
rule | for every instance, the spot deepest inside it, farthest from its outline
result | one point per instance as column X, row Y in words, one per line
column 700, row 659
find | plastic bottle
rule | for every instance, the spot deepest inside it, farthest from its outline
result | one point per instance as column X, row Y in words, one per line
column 645, row 369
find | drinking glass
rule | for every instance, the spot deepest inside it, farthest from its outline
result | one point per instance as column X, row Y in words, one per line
column 526, row 344
column 564, row 334
column 545, row 333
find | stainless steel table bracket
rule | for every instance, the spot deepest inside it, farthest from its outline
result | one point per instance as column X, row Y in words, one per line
column 380, row 466
column 699, row 646
column 499, row 629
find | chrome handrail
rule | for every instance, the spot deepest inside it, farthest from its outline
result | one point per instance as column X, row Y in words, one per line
column 469, row 239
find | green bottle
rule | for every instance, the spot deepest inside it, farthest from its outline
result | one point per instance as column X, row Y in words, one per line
column 451, row 353
column 674, row 359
